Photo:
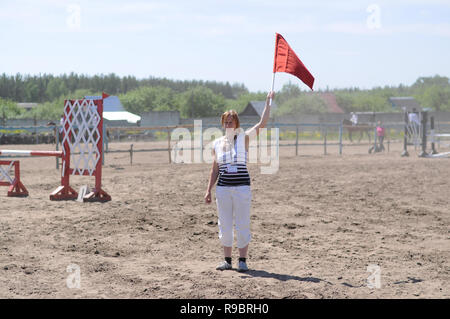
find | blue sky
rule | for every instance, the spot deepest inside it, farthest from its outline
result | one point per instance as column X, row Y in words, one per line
column 343, row 43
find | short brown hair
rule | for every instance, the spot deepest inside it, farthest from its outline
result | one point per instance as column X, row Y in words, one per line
column 233, row 114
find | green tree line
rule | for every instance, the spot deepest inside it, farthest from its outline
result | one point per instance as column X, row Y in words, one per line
column 47, row 87
column 430, row 92
column 201, row 98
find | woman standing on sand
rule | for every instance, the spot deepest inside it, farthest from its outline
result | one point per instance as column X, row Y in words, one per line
column 233, row 193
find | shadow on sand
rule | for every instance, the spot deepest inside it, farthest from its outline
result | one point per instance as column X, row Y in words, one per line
column 264, row 274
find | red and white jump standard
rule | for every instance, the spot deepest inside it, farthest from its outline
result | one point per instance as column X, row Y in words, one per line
column 16, row 188
column 82, row 141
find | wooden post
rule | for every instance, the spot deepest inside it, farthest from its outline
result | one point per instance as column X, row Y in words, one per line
column 424, row 135
column 433, row 147
column 105, row 138
column 375, row 137
column 131, row 154
column 325, row 141
column 168, row 144
column 198, row 140
column 296, row 141
column 35, row 130
column 201, row 146
column 340, row 138
column 405, row 137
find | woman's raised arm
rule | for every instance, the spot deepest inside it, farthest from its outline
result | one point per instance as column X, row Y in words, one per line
column 264, row 117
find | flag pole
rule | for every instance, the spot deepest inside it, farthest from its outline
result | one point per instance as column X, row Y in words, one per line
column 273, row 84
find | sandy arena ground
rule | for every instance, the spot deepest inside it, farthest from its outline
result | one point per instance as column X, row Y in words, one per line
column 317, row 225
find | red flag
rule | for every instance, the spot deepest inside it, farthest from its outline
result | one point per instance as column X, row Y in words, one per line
column 104, row 95
column 287, row 61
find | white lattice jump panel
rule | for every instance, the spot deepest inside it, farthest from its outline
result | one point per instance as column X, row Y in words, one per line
column 5, row 173
column 81, row 132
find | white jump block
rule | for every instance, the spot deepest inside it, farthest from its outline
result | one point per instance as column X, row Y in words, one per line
column 82, row 193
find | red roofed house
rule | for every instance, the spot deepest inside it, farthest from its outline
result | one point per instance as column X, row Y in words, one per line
column 330, row 100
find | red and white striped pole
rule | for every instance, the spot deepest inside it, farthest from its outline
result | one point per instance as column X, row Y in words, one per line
column 31, row 153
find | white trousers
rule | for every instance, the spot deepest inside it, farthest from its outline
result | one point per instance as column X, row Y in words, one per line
column 233, row 204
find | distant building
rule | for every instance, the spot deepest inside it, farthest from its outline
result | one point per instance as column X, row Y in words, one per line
column 27, row 106
column 114, row 113
column 407, row 103
column 160, row 118
column 256, row 108
column 331, row 102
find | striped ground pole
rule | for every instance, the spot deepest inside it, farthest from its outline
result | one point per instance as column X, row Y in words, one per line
column 31, row 153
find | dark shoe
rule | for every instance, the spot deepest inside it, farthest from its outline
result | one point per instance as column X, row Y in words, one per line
column 242, row 267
